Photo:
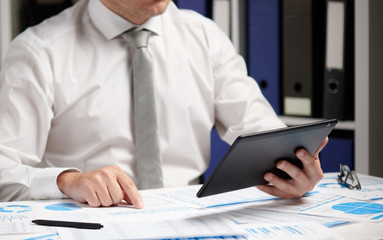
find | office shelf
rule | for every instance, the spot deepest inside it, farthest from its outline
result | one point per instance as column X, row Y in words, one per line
column 342, row 125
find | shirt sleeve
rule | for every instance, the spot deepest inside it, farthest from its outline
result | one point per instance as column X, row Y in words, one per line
column 26, row 97
column 240, row 106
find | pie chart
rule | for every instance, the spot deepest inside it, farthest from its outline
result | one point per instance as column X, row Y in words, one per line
column 359, row 208
column 63, row 207
column 15, row 208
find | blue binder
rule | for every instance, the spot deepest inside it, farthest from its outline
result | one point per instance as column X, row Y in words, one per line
column 337, row 151
column 263, row 47
column 217, row 151
column 199, row 6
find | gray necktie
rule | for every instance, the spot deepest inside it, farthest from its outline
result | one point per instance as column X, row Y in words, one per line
column 148, row 155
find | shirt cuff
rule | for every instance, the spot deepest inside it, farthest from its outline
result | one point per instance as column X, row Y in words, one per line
column 43, row 183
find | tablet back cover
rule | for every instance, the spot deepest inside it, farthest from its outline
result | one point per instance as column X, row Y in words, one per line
column 251, row 156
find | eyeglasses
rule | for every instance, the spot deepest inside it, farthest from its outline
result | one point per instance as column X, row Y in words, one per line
column 348, row 178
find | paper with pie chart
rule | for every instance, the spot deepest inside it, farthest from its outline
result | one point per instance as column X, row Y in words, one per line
column 14, row 215
column 331, row 205
column 349, row 208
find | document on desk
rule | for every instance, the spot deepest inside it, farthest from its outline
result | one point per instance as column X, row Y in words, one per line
column 200, row 227
column 16, row 217
column 330, row 205
column 279, row 231
column 154, row 208
column 32, row 236
column 255, row 215
column 187, row 196
column 296, row 231
column 161, row 220
column 372, row 187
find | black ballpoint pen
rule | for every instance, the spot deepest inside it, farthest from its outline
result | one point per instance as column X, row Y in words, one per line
column 54, row 223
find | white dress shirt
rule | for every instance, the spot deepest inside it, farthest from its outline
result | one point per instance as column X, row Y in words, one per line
column 66, row 98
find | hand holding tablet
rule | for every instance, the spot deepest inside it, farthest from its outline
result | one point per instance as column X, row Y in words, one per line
column 253, row 155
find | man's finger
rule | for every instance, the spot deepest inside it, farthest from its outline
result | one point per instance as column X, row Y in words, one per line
column 116, row 193
column 311, row 166
column 292, row 170
column 104, row 196
column 131, row 191
column 272, row 190
column 320, row 148
column 93, row 200
column 288, row 186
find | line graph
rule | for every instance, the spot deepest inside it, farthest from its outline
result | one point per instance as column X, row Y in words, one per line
column 13, row 218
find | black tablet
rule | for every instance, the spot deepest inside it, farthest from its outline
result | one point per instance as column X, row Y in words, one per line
column 252, row 155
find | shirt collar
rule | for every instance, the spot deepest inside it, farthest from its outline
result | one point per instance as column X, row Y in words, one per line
column 112, row 25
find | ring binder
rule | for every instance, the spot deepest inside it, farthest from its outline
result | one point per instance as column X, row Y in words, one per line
column 263, row 47
column 302, row 56
column 338, row 86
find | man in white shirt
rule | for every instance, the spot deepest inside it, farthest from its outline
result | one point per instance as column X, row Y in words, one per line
column 66, row 117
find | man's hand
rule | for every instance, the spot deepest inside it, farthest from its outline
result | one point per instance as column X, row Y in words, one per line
column 302, row 180
column 102, row 187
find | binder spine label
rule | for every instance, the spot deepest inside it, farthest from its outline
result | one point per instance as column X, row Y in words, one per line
column 297, row 106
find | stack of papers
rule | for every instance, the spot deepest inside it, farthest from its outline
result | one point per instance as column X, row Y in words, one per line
column 177, row 213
